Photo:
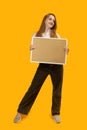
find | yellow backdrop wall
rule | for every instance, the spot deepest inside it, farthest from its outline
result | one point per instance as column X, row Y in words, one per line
column 19, row 20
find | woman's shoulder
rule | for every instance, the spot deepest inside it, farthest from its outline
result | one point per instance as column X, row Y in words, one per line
column 34, row 34
column 58, row 36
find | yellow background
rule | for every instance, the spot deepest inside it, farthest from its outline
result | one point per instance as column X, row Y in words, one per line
column 18, row 21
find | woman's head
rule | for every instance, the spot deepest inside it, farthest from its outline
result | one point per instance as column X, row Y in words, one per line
column 49, row 21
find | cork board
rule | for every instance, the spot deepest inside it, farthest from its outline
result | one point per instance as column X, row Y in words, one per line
column 49, row 50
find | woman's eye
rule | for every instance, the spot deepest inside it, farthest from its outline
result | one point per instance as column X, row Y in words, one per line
column 51, row 19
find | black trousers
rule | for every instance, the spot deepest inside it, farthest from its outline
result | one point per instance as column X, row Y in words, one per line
column 43, row 70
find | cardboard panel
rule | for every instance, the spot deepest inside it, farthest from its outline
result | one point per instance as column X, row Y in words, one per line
column 49, row 50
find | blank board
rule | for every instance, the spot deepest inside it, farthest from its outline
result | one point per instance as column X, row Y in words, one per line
column 49, row 50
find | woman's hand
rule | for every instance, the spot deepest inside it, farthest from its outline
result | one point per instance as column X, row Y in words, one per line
column 32, row 47
column 66, row 49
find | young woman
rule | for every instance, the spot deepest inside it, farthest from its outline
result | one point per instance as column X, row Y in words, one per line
column 47, row 30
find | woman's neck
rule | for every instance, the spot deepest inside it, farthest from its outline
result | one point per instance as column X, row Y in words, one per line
column 47, row 30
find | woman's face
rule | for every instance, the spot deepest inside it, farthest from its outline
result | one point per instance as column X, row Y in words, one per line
column 50, row 21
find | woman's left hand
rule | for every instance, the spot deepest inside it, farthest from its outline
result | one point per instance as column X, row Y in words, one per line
column 66, row 49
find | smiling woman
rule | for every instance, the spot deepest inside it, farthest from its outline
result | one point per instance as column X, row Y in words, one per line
column 47, row 29
column 48, row 25
column 50, row 21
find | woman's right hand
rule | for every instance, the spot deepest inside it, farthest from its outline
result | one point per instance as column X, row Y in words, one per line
column 32, row 47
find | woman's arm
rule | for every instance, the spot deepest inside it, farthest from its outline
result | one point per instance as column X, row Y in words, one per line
column 31, row 45
column 66, row 49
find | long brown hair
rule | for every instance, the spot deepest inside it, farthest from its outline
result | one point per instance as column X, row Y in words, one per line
column 43, row 26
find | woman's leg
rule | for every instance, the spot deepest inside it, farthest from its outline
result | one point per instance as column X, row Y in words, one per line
column 30, row 96
column 57, row 77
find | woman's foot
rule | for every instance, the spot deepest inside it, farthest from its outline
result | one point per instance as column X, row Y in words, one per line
column 18, row 117
column 56, row 118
